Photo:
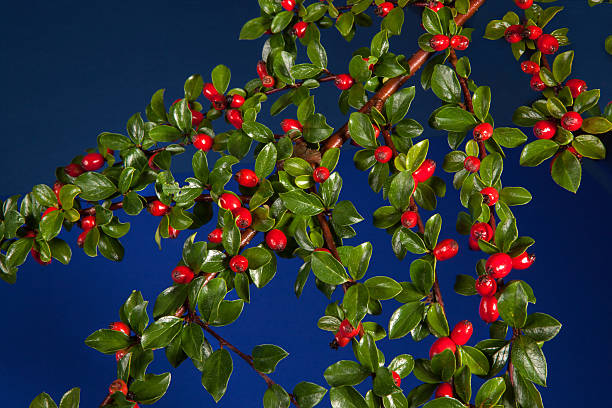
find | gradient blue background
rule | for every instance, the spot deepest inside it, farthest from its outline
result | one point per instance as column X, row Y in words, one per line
column 72, row 70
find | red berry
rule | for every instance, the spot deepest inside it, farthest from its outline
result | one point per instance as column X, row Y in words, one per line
column 320, row 174
column 340, row 340
column 323, row 250
column 88, row 222
column 545, row 129
column 291, row 124
column 473, row 244
column 446, row 249
column 486, row 285
column 48, row 210
column 471, row 164
column 152, row 164
column 120, row 354
column 276, row 240
column 483, row 132
column 234, row 117
column 576, row 86
column 530, row 67
column 547, row 44
column 490, row 195
column 81, row 238
column 346, row 329
column 488, row 309
column 498, row 265
column 376, row 131
column 182, row 274
column 514, row 33
column 243, row 217
column 523, row 4
column 436, row 6
column 173, row 233
column 439, row 42
column 236, row 101
column 92, row 162
column 385, row 8
column 383, row 154
column 229, row 201
column 36, row 255
column 299, row 29
column 441, row 344
column 216, row 236
column 219, row 102
column 118, row 385
column 288, row 4
column 462, row 332
column 209, row 91
column 425, row 171
column 571, row 121
column 57, row 187
column 344, row 82
column 533, row 32
column 573, row 151
column 481, row 230
column 196, row 118
column 459, row 42
column 73, row 170
column 247, row 178
column 536, row 83
column 158, row 209
column 239, row 264
column 396, row 378
column 523, row 261
column 120, row 327
column 444, row 390
column 409, row 219
column 203, row 142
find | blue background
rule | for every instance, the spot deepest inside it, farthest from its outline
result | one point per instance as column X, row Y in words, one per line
column 72, row 70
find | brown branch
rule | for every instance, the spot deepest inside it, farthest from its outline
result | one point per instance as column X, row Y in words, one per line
column 467, row 95
column 389, row 141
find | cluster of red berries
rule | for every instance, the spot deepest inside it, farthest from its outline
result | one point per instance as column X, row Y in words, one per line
column 221, row 102
column 89, row 162
column 547, row 129
column 120, row 386
column 87, row 223
column 459, row 336
column 440, row 42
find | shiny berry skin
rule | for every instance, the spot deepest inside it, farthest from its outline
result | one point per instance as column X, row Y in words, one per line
column 243, row 217
column 216, row 236
column 523, row 261
column 234, row 117
column 425, row 171
column 88, row 222
column 436, row 6
column 481, row 230
column 291, row 124
column 120, row 354
column 73, row 170
column 396, row 378
column 462, row 332
column 196, row 118
column 530, row 67
column 299, row 29
column 118, row 385
column 323, row 250
column 288, row 5
column 483, row 132
column 376, row 131
column 320, row 174
column 48, row 210
column 444, row 390
column 471, row 164
column 81, row 238
column 473, row 244
column 523, row 4
column 459, row 42
column 576, row 86
column 36, row 255
column 488, row 309
column 247, row 178
column 439, row 42
column 209, row 91
column 498, row 265
column 276, row 240
column 158, row 209
column 533, row 32
column 57, row 187
column 571, row 121
column 547, row 44
column 385, row 8
column 92, row 162
column 490, row 196
column 340, row 340
column 536, row 83
column 485, row 285
column 446, row 249
column 441, row 344
column 152, row 164
column 229, row 201
column 383, row 154
column 172, row 232
column 344, row 82
column 346, row 329
column 120, row 327
column 239, row 264
column 514, row 33
column 236, row 101
column 182, row 274
column 203, row 142
column 573, row 151
column 409, row 219
column 545, row 129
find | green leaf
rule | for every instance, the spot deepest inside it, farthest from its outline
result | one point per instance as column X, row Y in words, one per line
column 436, row 320
column 355, row 303
column 515, row 195
column 393, row 21
column 301, row 203
column 107, row 341
column 586, row 100
column 596, row 125
column 412, row 241
column 267, row 356
column 512, row 305
column 562, row 65
column 71, row 399
column 464, row 285
column 346, row 214
column 422, row 275
column 361, row 130
column 398, row 104
column 453, row 119
column 221, row 76
column 383, row 383
column 432, row 230
column 431, row 21
column 402, row 365
column 505, row 234
column 346, row 397
column 161, row 332
column 345, row 372
column 276, row 397
column 44, row 400
column 444, row 402
column 482, row 102
column 150, row 389
column 491, row 168
column 44, row 195
column 445, row 85
column 567, row 171
column 490, row 392
column 266, row 161
column 51, row 225
column 400, row 185
column 316, row 129
column 305, row 71
column 210, row 298
column 367, row 352
column 404, row 319
column 328, row 269
column 416, row 156
column 253, row 29
column 541, row 327
column 216, row 373
column 475, row 359
column 590, row 146
column 308, row 394
column 344, row 23
column 529, row 360
column 382, row 287
column 509, row 137
column 536, row 152
column 444, row 365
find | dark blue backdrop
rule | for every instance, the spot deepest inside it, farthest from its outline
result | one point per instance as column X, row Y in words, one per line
column 71, row 70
